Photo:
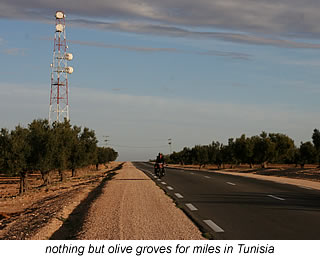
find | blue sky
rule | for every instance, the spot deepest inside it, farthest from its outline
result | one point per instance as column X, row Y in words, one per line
column 146, row 71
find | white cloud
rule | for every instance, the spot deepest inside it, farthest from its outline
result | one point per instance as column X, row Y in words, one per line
column 139, row 120
column 174, row 31
column 303, row 62
column 254, row 19
column 233, row 55
column 15, row 51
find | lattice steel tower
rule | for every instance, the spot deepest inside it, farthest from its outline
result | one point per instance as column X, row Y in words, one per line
column 59, row 103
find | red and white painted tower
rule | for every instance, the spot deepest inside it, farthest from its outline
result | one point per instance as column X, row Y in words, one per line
column 59, row 103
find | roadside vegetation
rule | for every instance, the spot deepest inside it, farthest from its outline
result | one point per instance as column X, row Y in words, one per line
column 45, row 148
column 258, row 150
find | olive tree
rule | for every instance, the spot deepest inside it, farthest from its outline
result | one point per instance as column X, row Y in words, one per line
column 42, row 148
column 15, row 155
column 307, row 153
column 62, row 136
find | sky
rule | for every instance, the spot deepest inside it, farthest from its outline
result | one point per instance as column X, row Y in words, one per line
column 148, row 70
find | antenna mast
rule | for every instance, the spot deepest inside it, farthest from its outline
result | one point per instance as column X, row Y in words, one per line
column 59, row 104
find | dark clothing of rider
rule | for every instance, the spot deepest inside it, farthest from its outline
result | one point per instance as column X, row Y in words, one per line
column 160, row 159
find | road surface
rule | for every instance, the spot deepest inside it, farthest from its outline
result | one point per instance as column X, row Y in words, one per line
column 235, row 207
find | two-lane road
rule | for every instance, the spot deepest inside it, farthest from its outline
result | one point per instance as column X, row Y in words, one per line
column 235, row 207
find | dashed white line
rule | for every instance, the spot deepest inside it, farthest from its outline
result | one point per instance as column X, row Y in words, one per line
column 192, row 173
column 169, row 188
column 191, row 207
column 207, row 177
column 163, row 183
column 275, row 197
column 178, row 195
column 231, row 183
column 213, row 226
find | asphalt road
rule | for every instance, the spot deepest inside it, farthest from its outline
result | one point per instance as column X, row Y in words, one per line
column 235, row 207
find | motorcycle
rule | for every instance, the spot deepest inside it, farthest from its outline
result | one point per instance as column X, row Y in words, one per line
column 159, row 170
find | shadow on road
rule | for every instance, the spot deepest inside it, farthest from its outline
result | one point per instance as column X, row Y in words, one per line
column 73, row 224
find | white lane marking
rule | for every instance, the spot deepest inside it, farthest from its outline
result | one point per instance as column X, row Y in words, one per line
column 230, row 183
column 207, row 177
column 213, row 226
column 275, row 197
column 191, row 207
column 158, row 180
column 169, row 188
column 163, row 183
column 178, row 195
column 192, row 173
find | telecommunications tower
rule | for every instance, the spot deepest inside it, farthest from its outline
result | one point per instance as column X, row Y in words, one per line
column 59, row 104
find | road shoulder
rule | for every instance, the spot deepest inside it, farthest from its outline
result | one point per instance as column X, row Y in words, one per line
column 132, row 206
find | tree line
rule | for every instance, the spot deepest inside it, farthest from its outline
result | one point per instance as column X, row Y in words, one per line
column 260, row 149
column 45, row 148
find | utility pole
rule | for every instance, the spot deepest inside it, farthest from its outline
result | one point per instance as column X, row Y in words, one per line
column 170, row 144
column 106, row 139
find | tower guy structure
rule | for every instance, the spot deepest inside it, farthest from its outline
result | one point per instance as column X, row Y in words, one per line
column 59, row 94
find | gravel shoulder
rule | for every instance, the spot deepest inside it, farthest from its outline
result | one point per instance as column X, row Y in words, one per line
column 131, row 206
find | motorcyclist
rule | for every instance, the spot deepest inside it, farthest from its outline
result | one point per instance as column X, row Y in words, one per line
column 160, row 158
column 159, row 161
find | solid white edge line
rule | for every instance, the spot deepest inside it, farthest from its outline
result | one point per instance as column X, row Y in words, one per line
column 230, row 183
column 275, row 197
column 213, row 226
column 178, row 195
column 191, row 207
column 169, row 188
